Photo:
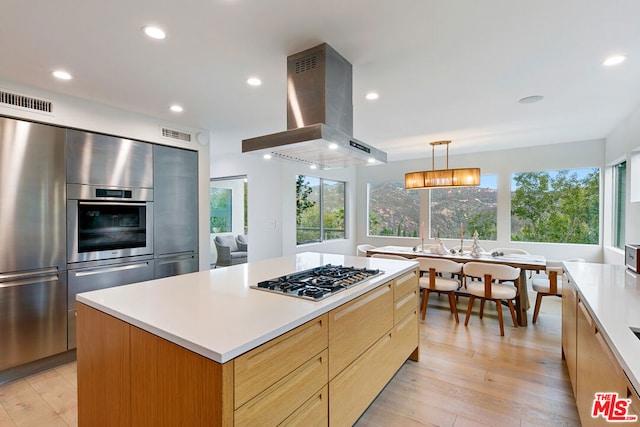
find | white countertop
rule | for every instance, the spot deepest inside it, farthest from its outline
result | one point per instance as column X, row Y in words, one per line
column 612, row 295
column 217, row 315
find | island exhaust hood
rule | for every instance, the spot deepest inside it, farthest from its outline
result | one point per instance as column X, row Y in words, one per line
column 319, row 115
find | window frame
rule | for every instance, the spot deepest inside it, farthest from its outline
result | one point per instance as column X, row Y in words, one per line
column 619, row 195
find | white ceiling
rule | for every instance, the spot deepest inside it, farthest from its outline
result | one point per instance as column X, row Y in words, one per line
column 444, row 69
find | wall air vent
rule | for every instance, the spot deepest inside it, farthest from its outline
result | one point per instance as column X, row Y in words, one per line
column 25, row 102
column 176, row 135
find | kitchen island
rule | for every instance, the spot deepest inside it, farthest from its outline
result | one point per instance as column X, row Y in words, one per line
column 206, row 349
column 600, row 335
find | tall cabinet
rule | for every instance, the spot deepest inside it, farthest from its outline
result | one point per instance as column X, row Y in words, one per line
column 175, row 236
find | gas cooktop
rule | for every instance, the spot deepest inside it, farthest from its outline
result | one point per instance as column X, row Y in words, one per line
column 317, row 283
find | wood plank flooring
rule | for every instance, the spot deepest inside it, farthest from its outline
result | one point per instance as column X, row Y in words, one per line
column 466, row 376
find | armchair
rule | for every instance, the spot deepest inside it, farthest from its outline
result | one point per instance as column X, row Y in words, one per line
column 228, row 251
column 243, row 242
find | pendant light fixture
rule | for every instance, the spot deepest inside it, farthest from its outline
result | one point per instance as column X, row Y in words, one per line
column 442, row 178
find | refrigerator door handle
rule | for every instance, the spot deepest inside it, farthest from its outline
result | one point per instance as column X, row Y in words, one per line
column 100, row 270
column 8, row 280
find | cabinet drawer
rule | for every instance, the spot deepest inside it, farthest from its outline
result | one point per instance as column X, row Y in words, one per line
column 356, row 325
column 259, row 368
column 353, row 390
column 313, row 413
column 275, row 404
column 405, row 338
column 405, row 305
column 404, row 284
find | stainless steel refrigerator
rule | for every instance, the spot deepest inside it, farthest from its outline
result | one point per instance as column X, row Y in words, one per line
column 33, row 278
column 175, row 211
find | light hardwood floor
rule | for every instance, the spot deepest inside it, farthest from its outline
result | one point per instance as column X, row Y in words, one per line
column 466, row 376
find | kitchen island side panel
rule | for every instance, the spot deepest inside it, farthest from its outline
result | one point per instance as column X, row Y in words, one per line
column 130, row 377
column 103, row 366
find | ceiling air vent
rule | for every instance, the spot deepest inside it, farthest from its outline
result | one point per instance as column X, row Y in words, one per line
column 25, row 102
column 176, row 135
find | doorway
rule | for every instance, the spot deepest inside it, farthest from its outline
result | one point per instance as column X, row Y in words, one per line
column 228, row 217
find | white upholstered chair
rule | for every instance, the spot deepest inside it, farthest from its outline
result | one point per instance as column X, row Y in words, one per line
column 550, row 285
column 430, row 281
column 489, row 288
column 507, row 251
column 361, row 250
column 389, row 256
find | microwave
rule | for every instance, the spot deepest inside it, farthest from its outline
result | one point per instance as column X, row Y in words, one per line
column 631, row 258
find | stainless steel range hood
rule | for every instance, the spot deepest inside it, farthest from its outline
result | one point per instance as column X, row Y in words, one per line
column 319, row 115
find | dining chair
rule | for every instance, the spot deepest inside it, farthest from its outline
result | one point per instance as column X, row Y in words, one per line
column 498, row 284
column 507, row 251
column 389, row 256
column 361, row 250
column 431, row 280
column 550, row 285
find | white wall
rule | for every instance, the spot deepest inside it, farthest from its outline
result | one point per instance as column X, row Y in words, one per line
column 619, row 146
column 271, row 198
column 90, row 116
column 583, row 154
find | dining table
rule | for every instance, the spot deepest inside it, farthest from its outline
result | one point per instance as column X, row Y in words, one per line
column 525, row 262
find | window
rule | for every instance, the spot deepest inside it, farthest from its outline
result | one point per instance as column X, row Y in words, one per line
column 319, row 209
column 556, row 206
column 220, row 210
column 393, row 211
column 228, row 211
column 472, row 208
column 619, row 203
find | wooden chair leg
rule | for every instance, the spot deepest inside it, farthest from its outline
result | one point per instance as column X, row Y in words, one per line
column 471, row 299
column 481, row 308
column 452, row 304
column 425, row 299
column 513, row 313
column 537, row 309
column 499, row 308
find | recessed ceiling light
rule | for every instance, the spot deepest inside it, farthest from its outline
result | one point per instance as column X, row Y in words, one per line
column 62, row 75
column 254, row 81
column 333, row 146
column 154, row 32
column 531, row 99
column 266, row 156
column 371, row 160
column 313, row 167
column 372, row 96
column 176, row 108
column 613, row 60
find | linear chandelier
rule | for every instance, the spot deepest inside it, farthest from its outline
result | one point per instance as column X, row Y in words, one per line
column 442, row 178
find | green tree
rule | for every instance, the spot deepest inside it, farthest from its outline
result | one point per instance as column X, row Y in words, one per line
column 303, row 202
column 555, row 207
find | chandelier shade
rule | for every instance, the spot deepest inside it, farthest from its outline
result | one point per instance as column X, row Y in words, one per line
column 442, row 178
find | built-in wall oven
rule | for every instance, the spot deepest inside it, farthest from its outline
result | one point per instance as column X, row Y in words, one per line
column 109, row 240
column 107, row 222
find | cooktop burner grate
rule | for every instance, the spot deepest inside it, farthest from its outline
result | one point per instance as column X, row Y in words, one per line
column 319, row 282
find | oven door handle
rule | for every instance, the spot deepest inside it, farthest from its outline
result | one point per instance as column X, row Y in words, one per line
column 100, row 270
column 100, row 202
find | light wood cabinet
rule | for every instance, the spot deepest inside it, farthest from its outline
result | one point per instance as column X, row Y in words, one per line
column 356, row 325
column 263, row 366
column 326, row 371
column 597, row 368
column 283, row 398
column 569, row 328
